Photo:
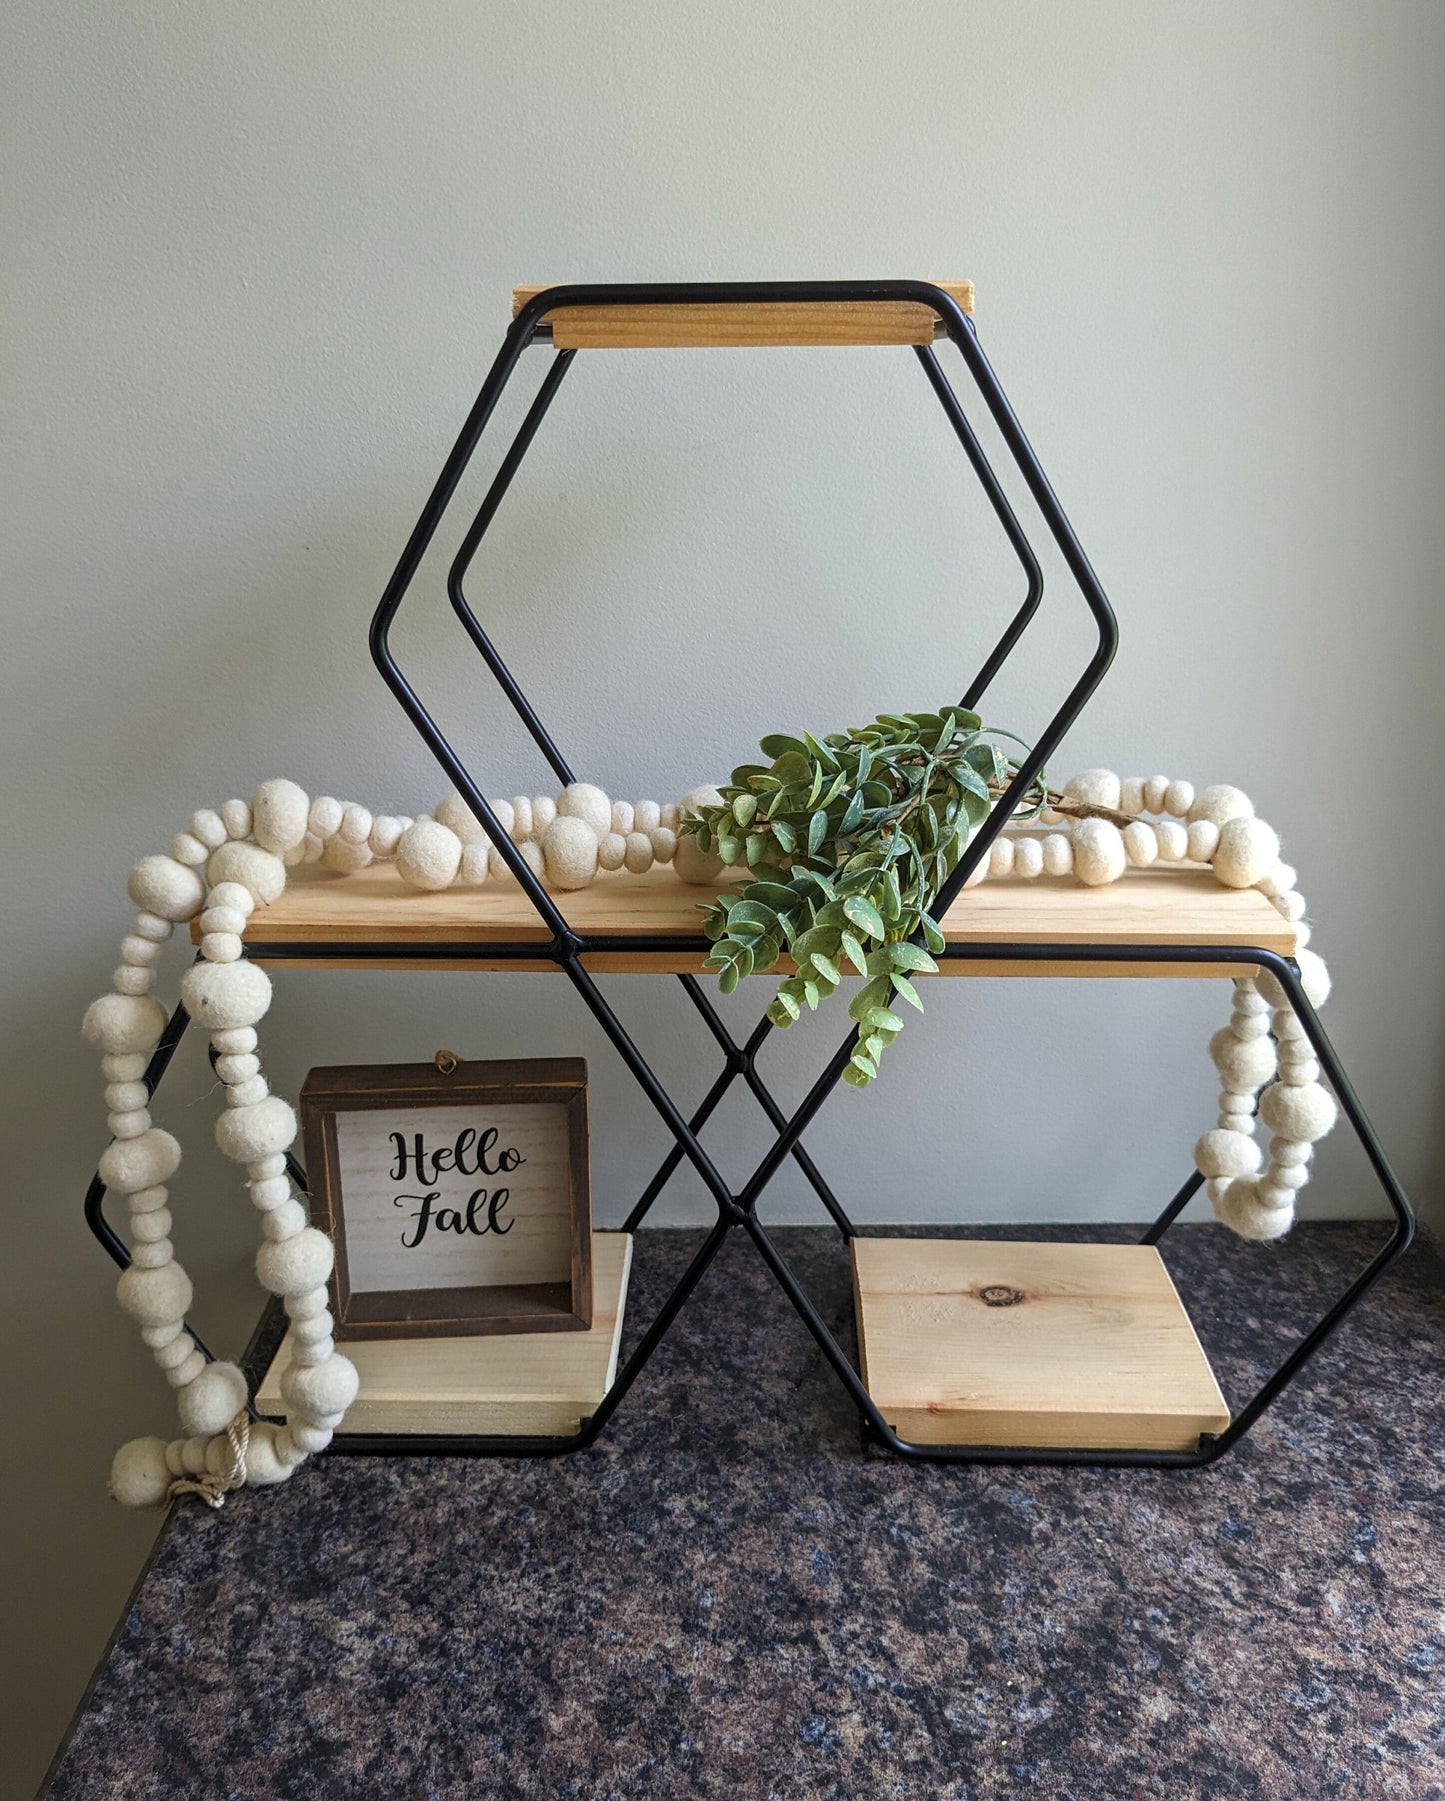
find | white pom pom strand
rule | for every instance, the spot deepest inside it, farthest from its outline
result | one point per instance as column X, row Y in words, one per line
column 1304, row 1113
column 1141, row 847
column 260, row 872
column 154, row 1297
column 428, row 855
column 1226, row 1154
column 1202, row 839
column 264, row 1465
column 581, row 800
column 638, row 855
column 1094, row 788
column 293, row 1265
column 1244, row 1064
column 280, row 813
column 693, row 864
column 317, row 1391
column 1243, row 1208
column 1220, row 804
column 225, row 995
column 122, row 1023
column 1173, row 841
column 1099, row 855
column 458, row 818
column 1247, row 850
column 166, row 888
column 213, row 1399
column 569, row 852
column 140, row 1475
column 245, row 1133
column 131, row 1164
column 1029, row 858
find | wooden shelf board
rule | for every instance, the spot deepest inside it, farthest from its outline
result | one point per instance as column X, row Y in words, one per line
column 765, row 322
column 1179, row 905
column 1099, row 1354
column 516, row 1385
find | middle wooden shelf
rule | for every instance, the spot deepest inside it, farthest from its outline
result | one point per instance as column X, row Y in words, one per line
column 320, row 914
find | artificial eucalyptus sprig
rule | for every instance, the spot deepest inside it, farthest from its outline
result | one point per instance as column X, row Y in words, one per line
column 850, row 837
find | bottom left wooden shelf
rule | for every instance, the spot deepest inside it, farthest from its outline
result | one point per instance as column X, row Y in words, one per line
column 517, row 1385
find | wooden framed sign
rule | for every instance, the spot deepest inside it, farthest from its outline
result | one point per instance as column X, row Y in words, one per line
column 456, row 1195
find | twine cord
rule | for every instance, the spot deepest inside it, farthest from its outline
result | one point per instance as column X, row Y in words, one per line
column 213, row 1488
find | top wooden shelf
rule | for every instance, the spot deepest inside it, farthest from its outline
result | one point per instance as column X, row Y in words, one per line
column 1182, row 905
column 737, row 324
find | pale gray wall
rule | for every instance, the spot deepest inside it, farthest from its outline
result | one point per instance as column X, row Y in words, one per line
column 257, row 260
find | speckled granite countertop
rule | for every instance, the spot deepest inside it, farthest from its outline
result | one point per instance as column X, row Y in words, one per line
column 729, row 1597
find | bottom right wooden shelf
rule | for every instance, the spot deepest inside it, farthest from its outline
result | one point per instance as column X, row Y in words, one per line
column 1000, row 1342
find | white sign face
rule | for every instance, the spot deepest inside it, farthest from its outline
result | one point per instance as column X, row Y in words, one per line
column 469, row 1196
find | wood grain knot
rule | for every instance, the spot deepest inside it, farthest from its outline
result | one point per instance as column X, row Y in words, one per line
column 999, row 1294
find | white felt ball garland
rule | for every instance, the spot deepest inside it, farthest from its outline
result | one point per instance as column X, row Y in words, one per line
column 566, row 840
column 227, row 996
column 231, row 860
column 1263, row 1055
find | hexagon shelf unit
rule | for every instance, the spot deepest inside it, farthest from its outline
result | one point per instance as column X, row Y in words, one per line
column 968, row 1351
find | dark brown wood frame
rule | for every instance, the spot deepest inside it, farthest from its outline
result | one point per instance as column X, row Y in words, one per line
column 450, row 1312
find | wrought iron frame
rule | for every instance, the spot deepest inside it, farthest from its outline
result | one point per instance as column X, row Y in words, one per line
column 737, row 1209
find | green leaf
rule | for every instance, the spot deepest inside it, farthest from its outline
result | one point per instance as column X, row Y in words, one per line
column 932, row 937
column 836, row 787
column 856, row 1078
column 861, row 1060
column 782, row 999
column 882, row 1019
column 817, row 831
column 864, row 915
column 778, row 744
column 821, row 753
column 976, row 807
column 909, row 956
column 815, row 878
column 906, row 991
column 826, row 967
column 785, row 835
column 772, row 894
column 854, row 952
column 871, row 994
column 744, row 806
column 793, row 766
